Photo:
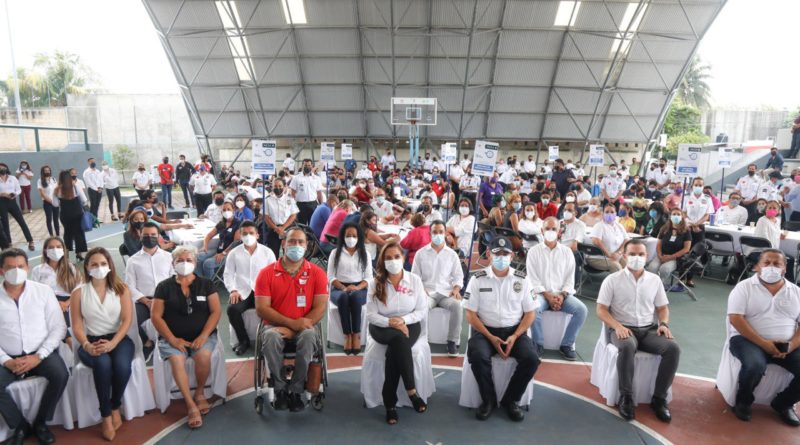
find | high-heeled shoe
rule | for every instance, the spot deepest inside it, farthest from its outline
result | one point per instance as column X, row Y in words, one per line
column 391, row 416
column 419, row 405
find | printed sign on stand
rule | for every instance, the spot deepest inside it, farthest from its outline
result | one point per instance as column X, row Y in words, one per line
column 449, row 153
column 485, row 158
column 553, row 152
column 327, row 154
column 688, row 160
column 347, row 151
column 725, row 154
column 263, row 158
column 597, row 155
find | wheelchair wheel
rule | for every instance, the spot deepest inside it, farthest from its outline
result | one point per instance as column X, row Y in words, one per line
column 259, row 404
column 316, row 401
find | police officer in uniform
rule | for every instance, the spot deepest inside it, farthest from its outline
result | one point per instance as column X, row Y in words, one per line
column 698, row 207
column 748, row 186
column 500, row 308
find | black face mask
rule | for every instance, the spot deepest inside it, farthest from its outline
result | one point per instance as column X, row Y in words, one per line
column 219, row 201
column 3, row 171
column 342, row 197
column 277, row 192
column 75, row 178
column 149, row 241
column 306, row 170
column 47, row 174
column 141, row 169
column 93, row 165
column 137, row 225
column 166, row 161
column 749, row 173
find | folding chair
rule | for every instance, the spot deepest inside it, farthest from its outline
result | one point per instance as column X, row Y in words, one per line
column 687, row 264
column 123, row 252
column 718, row 244
column 792, row 226
column 313, row 249
column 486, row 235
column 590, row 250
column 178, row 214
column 518, row 263
column 750, row 245
column 332, row 239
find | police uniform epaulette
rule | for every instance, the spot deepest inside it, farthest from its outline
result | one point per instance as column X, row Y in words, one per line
column 519, row 273
column 480, row 274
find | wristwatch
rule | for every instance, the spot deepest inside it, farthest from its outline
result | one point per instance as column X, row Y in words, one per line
column 661, row 323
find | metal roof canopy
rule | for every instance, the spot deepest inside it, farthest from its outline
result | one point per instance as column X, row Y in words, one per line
column 593, row 70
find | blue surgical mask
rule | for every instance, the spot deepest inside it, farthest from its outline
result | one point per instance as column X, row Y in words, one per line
column 437, row 239
column 676, row 219
column 653, row 214
column 698, row 190
column 516, row 205
column 501, row 262
column 295, row 253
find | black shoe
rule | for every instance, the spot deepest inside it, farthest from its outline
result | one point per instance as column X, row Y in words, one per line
column 743, row 412
column 281, row 402
column 242, row 348
column 661, row 409
column 452, row 349
column 626, row 408
column 788, row 415
column 568, row 353
column 43, row 433
column 485, row 410
column 514, row 411
column 419, row 405
column 391, row 416
column 22, row 431
column 539, row 350
column 296, row 402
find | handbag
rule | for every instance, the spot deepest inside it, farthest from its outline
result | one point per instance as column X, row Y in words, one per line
column 87, row 221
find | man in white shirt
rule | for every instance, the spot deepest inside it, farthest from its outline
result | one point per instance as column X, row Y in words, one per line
column 203, row 183
column 628, row 302
column 502, row 167
column 307, row 191
column 465, row 163
column 364, row 172
column 764, row 312
column 427, row 163
column 748, row 186
column 111, row 184
column 141, row 181
column 427, row 210
column 501, row 308
column 144, row 270
column 530, row 165
column 551, row 274
column 733, row 213
column 663, row 174
column 440, row 270
column 382, row 207
column 698, row 207
column 214, row 210
column 611, row 187
column 770, row 189
column 288, row 163
column 388, row 160
column 281, row 212
column 469, row 184
column 94, row 183
column 31, row 330
column 242, row 266
column 582, row 196
column 508, row 177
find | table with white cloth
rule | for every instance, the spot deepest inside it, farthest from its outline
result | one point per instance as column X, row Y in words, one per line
column 393, row 229
column 650, row 242
column 193, row 236
column 788, row 245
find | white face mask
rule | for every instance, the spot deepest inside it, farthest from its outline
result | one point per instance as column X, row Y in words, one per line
column 636, row 263
column 55, row 253
column 570, row 199
column 350, row 241
column 16, row 276
column 184, row 268
column 592, row 207
column 529, row 214
column 239, row 204
column 568, row 215
column 550, row 235
column 249, row 240
column 394, row 266
column 227, row 214
column 464, row 211
column 768, row 274
column 99, row 272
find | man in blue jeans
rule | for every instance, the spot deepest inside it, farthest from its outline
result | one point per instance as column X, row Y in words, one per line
column 551, row 274
column 764, row 311
column 167, row 175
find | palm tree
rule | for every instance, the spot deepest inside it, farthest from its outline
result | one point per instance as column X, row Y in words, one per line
column 694, row 90
column 32, row 89
column 65, row 74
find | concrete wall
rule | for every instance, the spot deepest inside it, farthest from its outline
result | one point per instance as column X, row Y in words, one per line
column 743, row 125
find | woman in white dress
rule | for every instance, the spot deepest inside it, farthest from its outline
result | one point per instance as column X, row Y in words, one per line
column 530, row 224
column 461, row 226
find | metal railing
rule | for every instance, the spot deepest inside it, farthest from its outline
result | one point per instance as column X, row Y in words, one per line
column 37, row 128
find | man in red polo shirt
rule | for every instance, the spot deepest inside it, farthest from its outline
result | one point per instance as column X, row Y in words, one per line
column 291, row 297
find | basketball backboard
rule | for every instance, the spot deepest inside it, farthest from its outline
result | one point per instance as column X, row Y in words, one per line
column 413, row 111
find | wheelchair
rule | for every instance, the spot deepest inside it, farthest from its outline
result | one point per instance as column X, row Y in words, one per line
column 264, row 384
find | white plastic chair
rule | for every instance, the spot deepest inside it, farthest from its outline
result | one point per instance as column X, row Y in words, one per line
column 606, row 379
column 28, row 395
column 554, row 325
column 502, row 370
column 138, row 396
column 251, row 322
column 372, row 371
column 166, row 389
column 438, row 325
column 335, row 333
column 775, row 379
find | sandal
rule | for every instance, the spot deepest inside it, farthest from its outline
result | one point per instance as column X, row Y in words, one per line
column 391, row 416
column 419, row 405
column 203, row 406
column 195, row 419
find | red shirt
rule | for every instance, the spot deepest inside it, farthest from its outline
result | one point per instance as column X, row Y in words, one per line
column 333, row 224
column 416, row 239
column 274, row 282
column 373, row 166
column 165, row 171
column 546, row 212
column 438, row 189
column 361, row 195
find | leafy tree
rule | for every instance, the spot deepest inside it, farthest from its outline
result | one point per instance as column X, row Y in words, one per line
column 694, row 89
column 122, row 157
column 31, row 88
column 789, row 121
column 682, row 118
column 692, row 137
column 65, row 74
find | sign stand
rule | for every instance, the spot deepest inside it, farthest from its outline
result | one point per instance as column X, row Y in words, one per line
column 484, row 160
column 413, row 143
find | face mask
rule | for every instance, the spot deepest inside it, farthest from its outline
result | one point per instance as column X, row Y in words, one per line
column 219, row 201
column 550, row 235
column 249, row 240
column 761, row 208
column 149, row 241
column 381, row 199
column 529, row 214
column 350, row 241
column 636, row 263
column 93, row 165
column 279, row 192
column 750, row 173
column 99, row 272
column 768, row 274
column 141, row 169
column 653, row 214
column 570, row 199
column 501, row 262
column 295, row 253
column 771, row 213
column 437, row 239
column 306, row 170
column 592, row 207
column 676, row 219
column 698, row 191
column 516, row 205
column 545, row 201
column 568, row 215
column 227, row 214
column 734, row 202
column 239, row 204
column 74, row 178
column 679, row 190
column 502, row 203
column 184, row 268
column 623, row 213
column 166, row 161
column 652, row 189
column 464, row 211
column 16, row 276
column 609, row 217
column 612, row 173
column 394, row 266
column 55, row 254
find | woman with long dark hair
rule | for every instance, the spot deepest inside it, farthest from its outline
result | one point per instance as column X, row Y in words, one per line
column 396, row 306
column 57, row 272
column 349, row 272
column 674, row 241
column 9, row 190
column 71, row 199
column 47, row 185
